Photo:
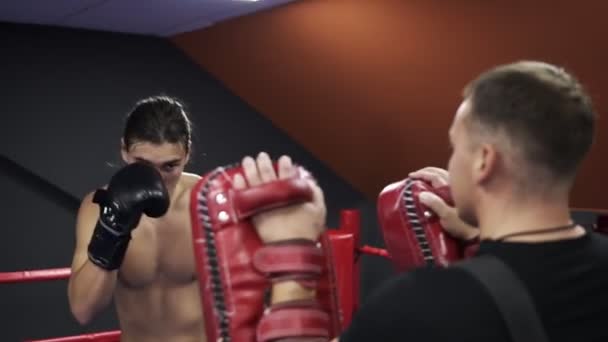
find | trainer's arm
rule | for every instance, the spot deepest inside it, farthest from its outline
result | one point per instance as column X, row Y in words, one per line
column 90, row 288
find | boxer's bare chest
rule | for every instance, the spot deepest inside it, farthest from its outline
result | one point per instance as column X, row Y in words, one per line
column 161, row 251
column 157, row 297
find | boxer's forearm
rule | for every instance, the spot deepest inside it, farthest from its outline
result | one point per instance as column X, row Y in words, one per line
column 90, row 290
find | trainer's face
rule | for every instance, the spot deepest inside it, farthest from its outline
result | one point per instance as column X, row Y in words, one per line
column 169, row 159
column 460, row 166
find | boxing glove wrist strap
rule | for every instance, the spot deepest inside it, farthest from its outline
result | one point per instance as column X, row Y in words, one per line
column 302, row 320
column 298, row 259
column 110, row 239
column 108, row 245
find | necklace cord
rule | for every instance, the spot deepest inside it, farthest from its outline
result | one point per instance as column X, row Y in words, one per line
column 538, row 231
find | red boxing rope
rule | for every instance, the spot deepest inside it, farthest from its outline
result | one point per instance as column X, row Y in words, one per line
column 109, row 336
column 374, row 251
column 56, row 274
column 35, row 275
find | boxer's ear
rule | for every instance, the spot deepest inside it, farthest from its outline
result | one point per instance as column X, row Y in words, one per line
column 188, row 153
column 123, row 150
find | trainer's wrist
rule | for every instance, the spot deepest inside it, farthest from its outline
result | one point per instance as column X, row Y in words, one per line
column 460, row 230
column 286, row 237
column 290, row 290
column 470, row 234
column 293, row 266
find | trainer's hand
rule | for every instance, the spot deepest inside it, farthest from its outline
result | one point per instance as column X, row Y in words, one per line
column 448, row 216
column 436, row 176
column 301, row 221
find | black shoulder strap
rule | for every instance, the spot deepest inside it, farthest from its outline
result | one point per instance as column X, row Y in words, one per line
column 510, row 295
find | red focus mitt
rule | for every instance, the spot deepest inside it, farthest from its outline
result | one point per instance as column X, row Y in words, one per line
column 412, row 232
column 236, row 269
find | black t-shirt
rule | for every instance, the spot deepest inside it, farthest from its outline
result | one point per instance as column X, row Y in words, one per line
column 568, row 281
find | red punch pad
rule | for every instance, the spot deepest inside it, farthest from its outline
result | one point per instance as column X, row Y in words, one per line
column 233, row 292
column 411, row 231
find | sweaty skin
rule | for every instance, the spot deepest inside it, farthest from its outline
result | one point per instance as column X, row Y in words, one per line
column 156, row 289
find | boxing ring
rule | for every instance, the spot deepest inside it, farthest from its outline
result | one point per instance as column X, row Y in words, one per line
column 51, row 275
column 347, row 260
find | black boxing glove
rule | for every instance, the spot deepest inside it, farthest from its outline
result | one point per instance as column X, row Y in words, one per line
column 136, row 189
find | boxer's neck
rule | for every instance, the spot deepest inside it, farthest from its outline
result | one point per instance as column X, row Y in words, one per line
column 175, row 192
column 500, row 216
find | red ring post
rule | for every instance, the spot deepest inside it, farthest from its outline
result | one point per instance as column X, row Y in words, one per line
column 350, row 222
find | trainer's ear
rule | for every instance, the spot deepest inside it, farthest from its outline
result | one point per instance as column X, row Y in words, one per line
column 485, row 163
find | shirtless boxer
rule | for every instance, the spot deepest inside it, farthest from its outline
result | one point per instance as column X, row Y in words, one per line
column 154, row 287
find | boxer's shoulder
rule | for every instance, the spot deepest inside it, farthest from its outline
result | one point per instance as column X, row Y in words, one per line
column 186, row 184
column 88, row 213
column 189, row 180
column 87, row 206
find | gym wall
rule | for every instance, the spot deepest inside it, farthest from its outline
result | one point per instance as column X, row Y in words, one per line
column 370, row 87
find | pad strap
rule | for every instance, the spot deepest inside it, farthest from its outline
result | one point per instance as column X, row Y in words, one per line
column 297, row 259
column 230, row 206
column 294, row 321
column 268, row 196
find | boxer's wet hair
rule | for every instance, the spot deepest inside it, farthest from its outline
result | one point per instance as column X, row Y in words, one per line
column 541, row 109
column 157, row 120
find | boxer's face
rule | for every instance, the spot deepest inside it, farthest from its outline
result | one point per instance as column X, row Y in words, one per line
column 460, row 165
column 168, row 158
